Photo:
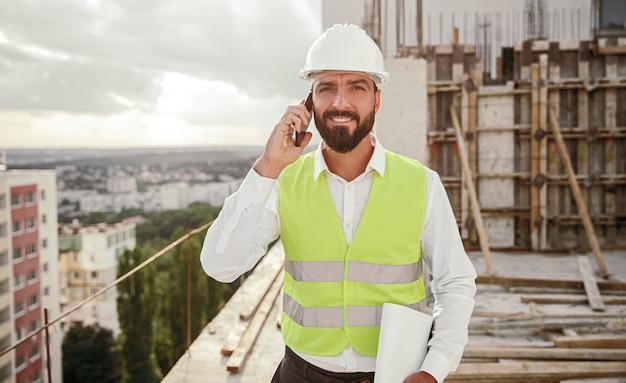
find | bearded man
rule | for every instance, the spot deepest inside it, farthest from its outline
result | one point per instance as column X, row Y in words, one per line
column 357, row 223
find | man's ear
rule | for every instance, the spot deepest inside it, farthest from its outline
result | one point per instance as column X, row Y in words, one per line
column 377, row 102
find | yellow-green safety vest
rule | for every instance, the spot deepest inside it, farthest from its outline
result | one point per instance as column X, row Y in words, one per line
column 333, row 293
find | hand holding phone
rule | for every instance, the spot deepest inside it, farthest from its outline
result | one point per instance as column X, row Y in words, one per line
column 309, row 106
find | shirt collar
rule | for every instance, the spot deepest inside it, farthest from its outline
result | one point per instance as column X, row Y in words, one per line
column 376, row 162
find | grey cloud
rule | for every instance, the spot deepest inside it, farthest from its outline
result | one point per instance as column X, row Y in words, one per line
column 84, row 86
column 121, row 46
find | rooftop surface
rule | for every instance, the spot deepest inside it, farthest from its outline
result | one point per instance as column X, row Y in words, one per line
column 501, row 317
column 204, row 362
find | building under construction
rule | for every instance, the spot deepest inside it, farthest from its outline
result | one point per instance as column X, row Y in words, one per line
column 527, row 130
column 572, row 93
column 505, row 117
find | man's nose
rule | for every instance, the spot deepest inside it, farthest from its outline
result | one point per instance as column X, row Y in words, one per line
column 340, row 101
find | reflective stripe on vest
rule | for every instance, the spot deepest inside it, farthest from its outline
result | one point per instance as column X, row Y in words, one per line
column 333, row 293
column 357, row 271
column 332, row 317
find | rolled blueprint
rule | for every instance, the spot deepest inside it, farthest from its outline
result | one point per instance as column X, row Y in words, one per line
column 403, row 343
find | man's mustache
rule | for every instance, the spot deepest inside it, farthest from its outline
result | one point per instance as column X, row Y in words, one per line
column 341, row 113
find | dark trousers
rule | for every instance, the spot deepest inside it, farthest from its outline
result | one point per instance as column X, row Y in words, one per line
column 293, row 369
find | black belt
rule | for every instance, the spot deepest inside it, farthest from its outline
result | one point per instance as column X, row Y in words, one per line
column 322, row 376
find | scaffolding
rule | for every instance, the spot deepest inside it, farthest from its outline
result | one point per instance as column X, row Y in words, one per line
column 526, row 198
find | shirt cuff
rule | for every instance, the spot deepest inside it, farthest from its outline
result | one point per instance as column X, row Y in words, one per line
column 436, row 364
column 257, row 187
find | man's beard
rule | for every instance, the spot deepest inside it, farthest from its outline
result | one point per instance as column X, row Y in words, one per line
column 339, row 138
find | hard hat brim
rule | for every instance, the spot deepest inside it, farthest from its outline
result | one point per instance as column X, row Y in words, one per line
column 311, row 75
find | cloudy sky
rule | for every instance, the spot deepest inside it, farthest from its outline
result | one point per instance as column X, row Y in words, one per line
column 109, row 73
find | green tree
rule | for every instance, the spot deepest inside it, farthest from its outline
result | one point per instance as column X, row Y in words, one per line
column 173, row 286
column 97, row 217
column 166, row 286
column 161, row 225
column 90, row 354
column 207, row 298
column 135, row 309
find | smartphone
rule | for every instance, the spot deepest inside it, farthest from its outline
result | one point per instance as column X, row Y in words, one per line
column 309, row 106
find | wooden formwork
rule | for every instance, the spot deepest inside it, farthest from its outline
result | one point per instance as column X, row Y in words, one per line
column 522, row 186
column 447, row 70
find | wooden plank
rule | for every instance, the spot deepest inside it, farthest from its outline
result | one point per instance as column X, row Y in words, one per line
column 610, row 163
column 472, row 145
column 604, row 322
column 551, row 322
column 511, row 343
column 535, row 220
column 605, row 286
column 499, row 314
column 593, row 193
column 465, row 115
column 595, row 380
column 569, row 299
column 544, row 353
column 580, row 203
column 591, row 341
column 612, row 50
column 279, row 314
column 543, row 151
column 233, row 338
column 569, row 332
column 258, row 292
column 591, row 288
column 571, row 101
column 530, row 371
column 563, row 109
column 471, row 189
column 615, row 297
column 238, row 358
column 581, row 86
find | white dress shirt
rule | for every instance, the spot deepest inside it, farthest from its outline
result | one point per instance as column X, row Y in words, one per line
column 249, row 222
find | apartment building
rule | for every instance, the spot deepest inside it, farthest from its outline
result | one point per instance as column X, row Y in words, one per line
column 87, row 263
column 28, row 274
column 170, row 196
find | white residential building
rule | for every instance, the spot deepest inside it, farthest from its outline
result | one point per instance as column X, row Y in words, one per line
column 171, row 196
column 121, row 183
column 109, row 203
column 88, row 262
column 74, row 195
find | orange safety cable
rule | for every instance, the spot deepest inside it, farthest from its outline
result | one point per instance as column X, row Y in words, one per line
column 112, row 284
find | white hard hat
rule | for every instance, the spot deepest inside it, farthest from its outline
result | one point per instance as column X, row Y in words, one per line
column 345, row 48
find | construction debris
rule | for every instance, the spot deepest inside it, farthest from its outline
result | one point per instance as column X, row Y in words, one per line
column 543, row 337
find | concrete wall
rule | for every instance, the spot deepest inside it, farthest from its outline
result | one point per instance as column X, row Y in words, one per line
column 496, row 155
column 401, row 120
